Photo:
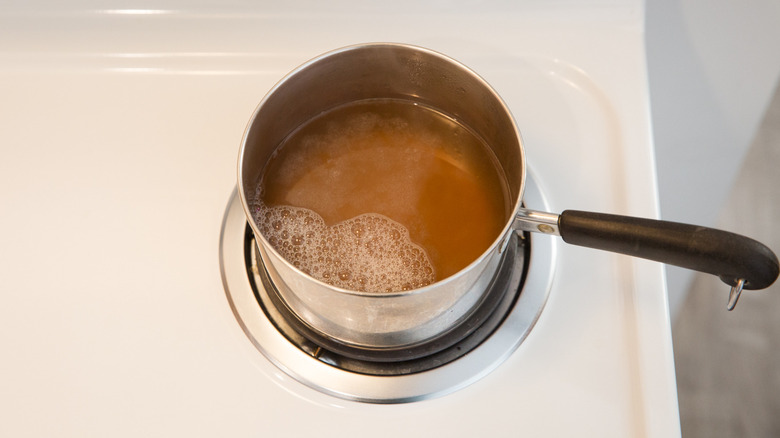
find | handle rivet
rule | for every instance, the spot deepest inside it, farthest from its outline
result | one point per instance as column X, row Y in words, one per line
column 544, row 228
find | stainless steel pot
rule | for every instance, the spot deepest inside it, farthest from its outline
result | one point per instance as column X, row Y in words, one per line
column 405, row 319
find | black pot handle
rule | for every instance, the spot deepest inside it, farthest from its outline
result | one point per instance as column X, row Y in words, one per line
column 730, row 256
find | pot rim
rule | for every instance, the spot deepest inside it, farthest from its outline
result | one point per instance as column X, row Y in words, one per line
column 503, row 235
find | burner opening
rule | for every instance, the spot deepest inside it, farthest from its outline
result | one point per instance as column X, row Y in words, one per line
column 488, row 315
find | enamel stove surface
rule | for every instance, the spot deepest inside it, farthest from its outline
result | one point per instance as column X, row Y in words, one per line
column 121, row 130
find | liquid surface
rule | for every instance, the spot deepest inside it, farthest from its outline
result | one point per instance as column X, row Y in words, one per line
column 406, row 170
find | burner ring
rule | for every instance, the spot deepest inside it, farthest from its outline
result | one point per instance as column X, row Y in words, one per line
column 351, row 382
column 461, row 339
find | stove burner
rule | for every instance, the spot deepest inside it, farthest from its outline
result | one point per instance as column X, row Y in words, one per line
column 467, row 335
column 456, row 359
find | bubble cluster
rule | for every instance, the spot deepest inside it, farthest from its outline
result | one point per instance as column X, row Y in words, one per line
column 370, row 252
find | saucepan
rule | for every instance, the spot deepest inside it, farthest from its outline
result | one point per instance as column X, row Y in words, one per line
column 397, row 321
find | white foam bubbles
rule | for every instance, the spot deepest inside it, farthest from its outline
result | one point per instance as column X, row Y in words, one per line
column 370, row 252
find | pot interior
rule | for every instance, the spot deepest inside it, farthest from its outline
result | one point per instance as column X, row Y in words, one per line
column 382, row 71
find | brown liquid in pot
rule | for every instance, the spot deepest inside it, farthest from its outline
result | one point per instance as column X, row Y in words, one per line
column 374, row 160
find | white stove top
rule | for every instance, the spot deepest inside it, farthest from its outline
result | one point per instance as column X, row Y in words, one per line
column 119, row 140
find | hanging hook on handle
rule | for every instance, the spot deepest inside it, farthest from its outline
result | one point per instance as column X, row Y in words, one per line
column 734, row 294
